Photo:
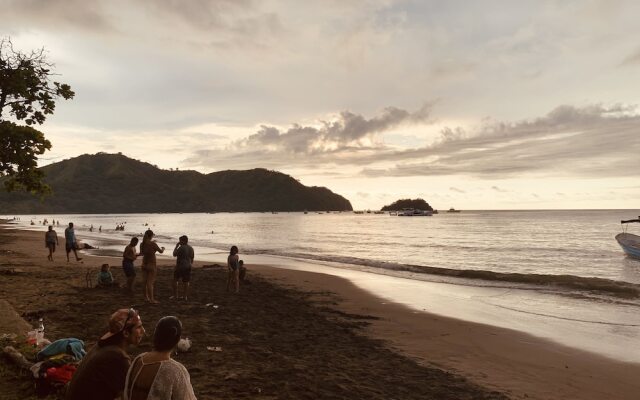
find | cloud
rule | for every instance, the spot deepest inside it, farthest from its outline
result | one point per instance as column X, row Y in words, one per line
column 455, row 189
column 593, row 141
column 337, row 139
column 499, row 190
column 633, row 59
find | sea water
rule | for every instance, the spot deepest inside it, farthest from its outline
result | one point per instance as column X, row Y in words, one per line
column 557, row 274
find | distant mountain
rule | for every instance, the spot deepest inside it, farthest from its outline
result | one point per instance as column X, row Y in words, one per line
column 113, row 183
column 418, row 204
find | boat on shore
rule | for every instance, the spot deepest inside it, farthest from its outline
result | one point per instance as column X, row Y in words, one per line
column 629, row 242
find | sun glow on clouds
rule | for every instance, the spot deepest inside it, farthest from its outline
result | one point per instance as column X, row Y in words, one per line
column 470, row 105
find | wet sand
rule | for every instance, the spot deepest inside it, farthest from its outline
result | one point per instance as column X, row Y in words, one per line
column 293, row 334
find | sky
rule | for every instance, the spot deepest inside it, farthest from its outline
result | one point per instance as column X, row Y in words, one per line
column 466, row 104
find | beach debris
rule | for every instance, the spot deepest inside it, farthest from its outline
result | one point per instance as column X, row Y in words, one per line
column 184, row 345
column 211, row 305
column 231, row 376
column 214, row 348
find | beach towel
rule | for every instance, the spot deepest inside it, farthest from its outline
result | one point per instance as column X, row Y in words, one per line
column 72, row 346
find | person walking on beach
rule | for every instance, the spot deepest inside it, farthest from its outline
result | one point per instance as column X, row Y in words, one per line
column 184, row 260
column 155, row 375
column 101, row 374
column 128, row 257
column 148, row 249
column 51, row 241
column 233, row 269
column 70, row 242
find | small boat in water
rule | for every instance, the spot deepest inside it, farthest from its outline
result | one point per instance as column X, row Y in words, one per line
column 629, row 242
column 413, row 212
column 453, row 210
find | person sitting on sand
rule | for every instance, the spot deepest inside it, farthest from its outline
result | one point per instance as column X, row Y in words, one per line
column 243, row 271
column 70, row 242
column 184, row 260
column 50, row 241
column 155, row 375
column 233, row 269
column 101, row 374
column 128, row 257
column 148, row 249
column 105, row 277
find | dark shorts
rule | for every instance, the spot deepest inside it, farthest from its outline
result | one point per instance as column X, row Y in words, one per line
column 127, row 267
column 70, row 246
column 182, row 273
column 51, row 245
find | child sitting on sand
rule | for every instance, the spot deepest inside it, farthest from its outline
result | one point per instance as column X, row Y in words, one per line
column 105, row 278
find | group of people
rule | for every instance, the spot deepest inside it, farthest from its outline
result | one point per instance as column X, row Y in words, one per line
column 148, row 248
column 107, row 371
column 71, row 243
column 184, row 255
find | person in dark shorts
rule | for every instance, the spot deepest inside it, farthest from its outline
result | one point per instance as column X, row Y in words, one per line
column 50, row 242
column 70, row 242
column 128, row 257
column 184, row 260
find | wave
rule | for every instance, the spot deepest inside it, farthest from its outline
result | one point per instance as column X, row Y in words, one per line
column 609, row 287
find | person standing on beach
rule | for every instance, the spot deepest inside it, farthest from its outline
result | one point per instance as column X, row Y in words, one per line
column 101, row 374
column 70, row 242
column 51, row 241
column 148, row 249
column 233, row 269
column 184, row 260
column 128, row 257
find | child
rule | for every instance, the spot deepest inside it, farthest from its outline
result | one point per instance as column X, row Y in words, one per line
column 105, row 278
column 243, row 272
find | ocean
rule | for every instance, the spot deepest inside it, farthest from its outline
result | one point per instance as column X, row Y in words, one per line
column 551, row 273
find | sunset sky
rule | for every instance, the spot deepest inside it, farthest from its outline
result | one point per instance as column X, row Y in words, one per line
column 467, row 104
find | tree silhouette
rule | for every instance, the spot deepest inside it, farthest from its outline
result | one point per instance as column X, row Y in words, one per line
column 27, row 93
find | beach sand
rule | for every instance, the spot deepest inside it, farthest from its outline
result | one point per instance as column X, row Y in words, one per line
column 302, row 335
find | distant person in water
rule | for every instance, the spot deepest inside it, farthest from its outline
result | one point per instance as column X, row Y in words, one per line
column 128, row 257
column 50, row 242
column 184, row 260
column 148, row 249
column 233, row 269
column 71, row 242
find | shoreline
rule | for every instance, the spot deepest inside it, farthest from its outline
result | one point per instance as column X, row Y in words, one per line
column 520, row 365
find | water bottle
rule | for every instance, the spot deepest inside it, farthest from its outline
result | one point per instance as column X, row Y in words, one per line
column 40, row 332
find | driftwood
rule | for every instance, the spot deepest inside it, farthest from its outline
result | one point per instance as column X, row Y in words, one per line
column 17, row 358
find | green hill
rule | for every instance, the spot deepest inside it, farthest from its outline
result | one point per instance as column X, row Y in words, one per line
column 113, row 183
column 418, row 204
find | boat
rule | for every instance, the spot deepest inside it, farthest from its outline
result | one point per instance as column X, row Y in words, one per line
column 453, row 210
column 413, row 212
column 629, row 242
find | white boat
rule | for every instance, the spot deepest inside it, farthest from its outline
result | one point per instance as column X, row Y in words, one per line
column 412, row 212
column 629, row 242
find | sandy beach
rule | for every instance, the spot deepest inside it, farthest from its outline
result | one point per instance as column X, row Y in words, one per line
column 294, row 334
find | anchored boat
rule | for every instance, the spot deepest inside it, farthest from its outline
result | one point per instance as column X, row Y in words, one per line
column 629, row 242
